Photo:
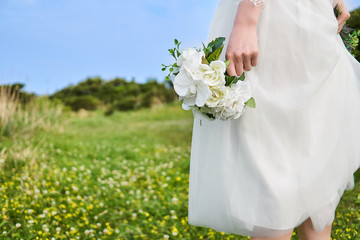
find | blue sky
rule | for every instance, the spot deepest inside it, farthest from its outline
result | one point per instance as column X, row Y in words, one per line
column 49, row 45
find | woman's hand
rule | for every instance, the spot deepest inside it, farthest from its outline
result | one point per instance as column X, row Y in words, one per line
column 242, row 50
column 344, row 15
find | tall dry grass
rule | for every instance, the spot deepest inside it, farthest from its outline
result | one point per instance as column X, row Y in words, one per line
column 17, row 118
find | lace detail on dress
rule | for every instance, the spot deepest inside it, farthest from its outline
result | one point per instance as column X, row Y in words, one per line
column 254, row 2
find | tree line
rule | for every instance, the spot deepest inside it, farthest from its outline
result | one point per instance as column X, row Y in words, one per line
column 116, row 94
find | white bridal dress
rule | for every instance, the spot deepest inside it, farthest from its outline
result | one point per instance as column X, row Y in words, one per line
column 292, row 156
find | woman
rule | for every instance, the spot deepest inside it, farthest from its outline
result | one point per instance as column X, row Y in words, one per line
column 287, row 162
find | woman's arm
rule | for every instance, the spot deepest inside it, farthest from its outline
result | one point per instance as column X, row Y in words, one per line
column 242, row 50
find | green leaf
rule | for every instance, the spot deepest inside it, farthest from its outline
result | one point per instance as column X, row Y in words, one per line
column 176, row 41
column 210, row 115
column 2, row 223
column 214, row 45
column 251, row 103
column 230, row 80
column 227, row 63
column 204, row 48
column 204, row 61
column 233, row 79
column 215, row 55
column 242, row 77
column 218, row 42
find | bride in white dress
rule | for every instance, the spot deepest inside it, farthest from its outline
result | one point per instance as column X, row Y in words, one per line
column 287, row 162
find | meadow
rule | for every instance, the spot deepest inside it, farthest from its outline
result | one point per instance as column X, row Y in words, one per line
column 124, row 176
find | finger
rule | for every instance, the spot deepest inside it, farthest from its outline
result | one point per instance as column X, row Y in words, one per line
column 247, row 63
column 254, row 60
column 345, row 15
column 340, row 27
column 239, row 65
column 231, row 69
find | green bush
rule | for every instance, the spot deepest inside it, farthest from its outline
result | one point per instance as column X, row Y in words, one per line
column 127, row 103
column 87, row 102
column 117, row 93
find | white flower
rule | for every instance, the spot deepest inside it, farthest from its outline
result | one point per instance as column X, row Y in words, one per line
column 190, row 90
column 186, row 53
column 233, row 106
column 218, row 93
column 18, row 225
column 215, row 73
column 243, row 90
column 193, row 62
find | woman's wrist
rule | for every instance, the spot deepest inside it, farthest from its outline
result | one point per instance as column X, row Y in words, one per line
column 247, row 14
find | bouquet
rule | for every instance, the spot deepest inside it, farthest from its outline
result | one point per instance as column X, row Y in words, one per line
column 202, row 84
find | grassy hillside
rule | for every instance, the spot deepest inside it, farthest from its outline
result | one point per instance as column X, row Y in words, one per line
column 118, row 177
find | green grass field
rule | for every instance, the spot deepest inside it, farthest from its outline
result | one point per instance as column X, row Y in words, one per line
column 118, row 177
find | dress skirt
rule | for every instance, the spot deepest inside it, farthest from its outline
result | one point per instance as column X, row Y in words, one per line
column 292, row 156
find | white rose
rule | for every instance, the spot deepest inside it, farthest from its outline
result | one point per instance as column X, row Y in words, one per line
column 233, row 110
column 243, row 90
column 233, row 105
column 215, row 73
column 218, row 93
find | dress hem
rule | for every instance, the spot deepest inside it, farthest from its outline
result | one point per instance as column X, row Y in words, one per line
column 349, row 185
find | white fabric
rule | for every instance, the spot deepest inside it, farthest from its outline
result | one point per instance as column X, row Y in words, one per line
column 293, row 155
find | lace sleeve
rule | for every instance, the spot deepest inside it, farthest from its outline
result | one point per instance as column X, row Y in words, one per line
column 254, row 2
